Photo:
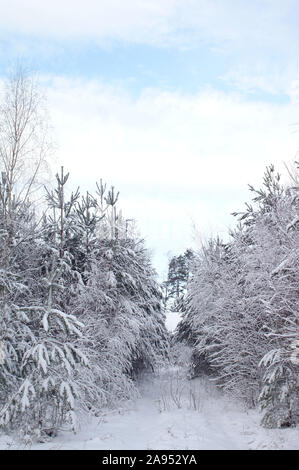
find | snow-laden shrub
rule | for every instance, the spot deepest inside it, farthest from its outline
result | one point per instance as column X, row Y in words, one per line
column 40, row 361
column 120, row 305
column 242, row 305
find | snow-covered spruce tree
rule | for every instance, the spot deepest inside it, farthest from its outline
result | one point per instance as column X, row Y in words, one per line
column 174, row 288
column 243, row 306
column 271, row 263
column 88, row 215
column 41, row 354
column 224, row 315
column 27, row 353
column 280, row 393
column 238, row 337
column 62, row 231
column 198, row 325
column 120, row 305
column 12, row 286
column 44, row 395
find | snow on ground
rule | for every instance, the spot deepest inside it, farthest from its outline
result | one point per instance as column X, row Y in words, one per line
column 172, row 319
column 173, row 413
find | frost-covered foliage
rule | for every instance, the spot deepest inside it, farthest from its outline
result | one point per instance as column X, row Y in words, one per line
column 242, row 316
column 120, row 303
column 39, row 339
column 81, row 311
column 174, row 288
column 42, row 395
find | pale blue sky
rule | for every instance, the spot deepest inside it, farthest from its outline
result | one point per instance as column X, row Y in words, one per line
column 180, row 103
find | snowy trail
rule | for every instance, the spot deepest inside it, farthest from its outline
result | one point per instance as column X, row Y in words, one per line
column 174, row 413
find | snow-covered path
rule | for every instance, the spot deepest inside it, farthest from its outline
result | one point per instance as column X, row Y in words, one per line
column 174, row 413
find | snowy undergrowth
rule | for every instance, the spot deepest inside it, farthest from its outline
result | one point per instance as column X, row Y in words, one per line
column 172, row 412
column 166, row 416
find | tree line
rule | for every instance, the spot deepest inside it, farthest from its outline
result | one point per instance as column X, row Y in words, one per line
column 241, row 308
column 80, row 307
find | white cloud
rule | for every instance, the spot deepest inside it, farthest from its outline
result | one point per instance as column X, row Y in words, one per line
column 212, row 133
column 89, row 19
column 236, row 24
column 259, row 38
